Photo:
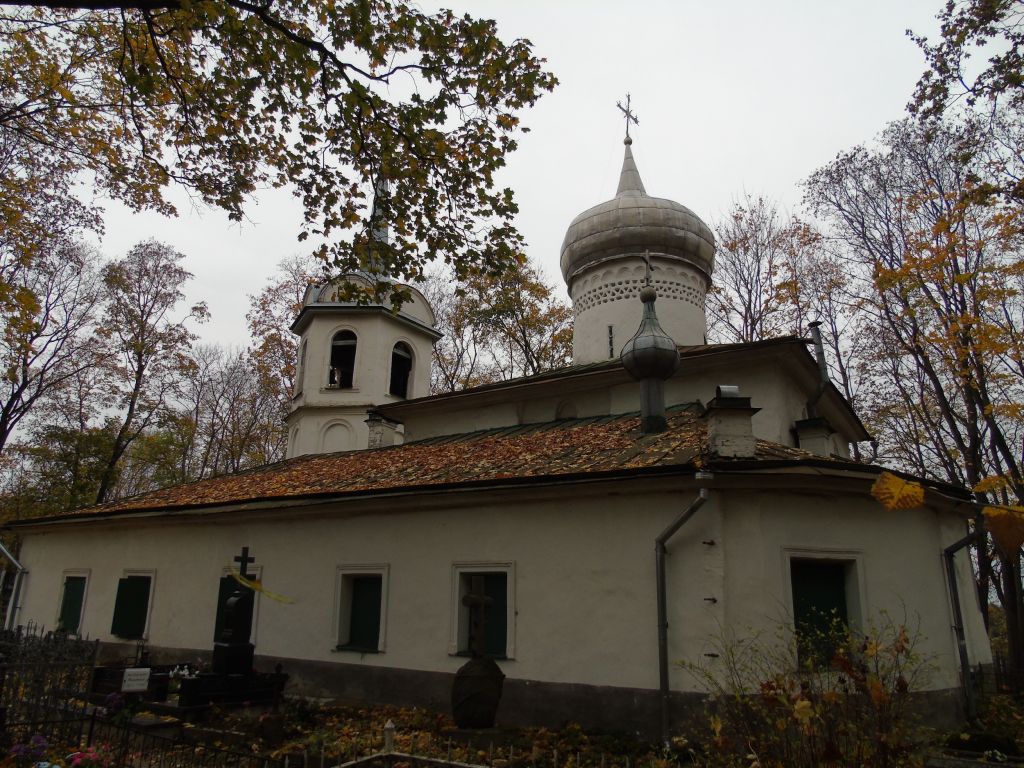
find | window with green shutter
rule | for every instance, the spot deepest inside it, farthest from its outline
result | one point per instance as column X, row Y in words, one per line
column 131, row 607
column 364, row 613
column 820, row 614
column 361, row 608
column 71, row 601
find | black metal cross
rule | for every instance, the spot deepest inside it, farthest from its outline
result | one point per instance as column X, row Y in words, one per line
column 647, row 267
column 630, row 117
column 243, row 561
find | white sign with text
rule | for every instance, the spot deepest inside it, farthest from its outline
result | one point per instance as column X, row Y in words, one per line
column 135, row 680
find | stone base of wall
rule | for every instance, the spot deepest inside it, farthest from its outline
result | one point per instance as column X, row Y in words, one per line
column 523, row 702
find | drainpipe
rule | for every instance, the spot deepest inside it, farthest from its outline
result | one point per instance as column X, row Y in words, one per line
column 958, row 621
column 19, row 577
column 659, row 563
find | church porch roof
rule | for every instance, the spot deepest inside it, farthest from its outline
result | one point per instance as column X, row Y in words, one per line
column 564, row 450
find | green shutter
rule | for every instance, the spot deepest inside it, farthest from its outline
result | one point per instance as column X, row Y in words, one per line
column 71, row 604
column 364, row 623
column 496, row 616
column 130, row 607
column 819, row 608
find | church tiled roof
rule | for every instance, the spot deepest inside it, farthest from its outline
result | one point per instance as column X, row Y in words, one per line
column 567, row 448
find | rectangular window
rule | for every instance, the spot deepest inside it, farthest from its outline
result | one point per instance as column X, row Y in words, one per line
column 483, row 596
column 131, row 607
column 71, row 602
column 361, row 608
column 821, row 615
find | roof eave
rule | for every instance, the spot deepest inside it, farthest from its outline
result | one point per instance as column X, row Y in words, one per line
column 306, row 314
column 722, row 471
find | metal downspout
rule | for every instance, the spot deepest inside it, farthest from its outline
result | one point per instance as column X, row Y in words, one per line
column 958, row 622
column 12, row 609
column 659, row 563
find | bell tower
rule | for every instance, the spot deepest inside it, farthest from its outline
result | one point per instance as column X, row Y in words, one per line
column 353, row 357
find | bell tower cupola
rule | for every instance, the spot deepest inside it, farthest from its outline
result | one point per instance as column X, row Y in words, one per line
column 352, row 357
column 604, row 263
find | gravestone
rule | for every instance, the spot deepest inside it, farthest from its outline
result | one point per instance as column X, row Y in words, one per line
column 232, row 651
column 476, row 689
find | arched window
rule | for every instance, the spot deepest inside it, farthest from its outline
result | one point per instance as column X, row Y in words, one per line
column 343, row 360
column 401, row 367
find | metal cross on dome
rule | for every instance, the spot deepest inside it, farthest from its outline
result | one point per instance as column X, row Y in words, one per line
column 647, row 267
column 630, row 117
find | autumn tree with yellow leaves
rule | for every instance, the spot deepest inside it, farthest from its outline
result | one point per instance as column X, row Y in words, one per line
column 939, row 274
column 330, row 99
column 497, row 327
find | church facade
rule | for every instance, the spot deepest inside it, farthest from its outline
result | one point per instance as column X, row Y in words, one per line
column 545, row 491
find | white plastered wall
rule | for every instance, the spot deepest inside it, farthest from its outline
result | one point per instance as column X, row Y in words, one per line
column 584, row 575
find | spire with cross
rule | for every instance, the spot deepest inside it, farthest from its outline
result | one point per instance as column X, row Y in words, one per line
column 630, row 117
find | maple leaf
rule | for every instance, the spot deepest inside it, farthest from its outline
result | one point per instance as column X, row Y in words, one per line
column 896, row 493
column 1006, row 524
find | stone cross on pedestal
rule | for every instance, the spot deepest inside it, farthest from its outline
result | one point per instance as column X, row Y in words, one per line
column 476, row 689
column 477, row 603
column 232, row 651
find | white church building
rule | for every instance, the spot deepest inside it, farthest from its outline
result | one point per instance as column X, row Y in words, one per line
column 744, row 513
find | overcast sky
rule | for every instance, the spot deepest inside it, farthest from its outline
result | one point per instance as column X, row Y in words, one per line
column 733, row 97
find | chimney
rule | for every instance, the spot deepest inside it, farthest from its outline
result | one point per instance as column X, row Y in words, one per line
column 383, row 432
column 814, row 435
column 728, row 416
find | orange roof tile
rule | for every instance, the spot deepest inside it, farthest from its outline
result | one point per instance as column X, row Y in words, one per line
column 564, row 448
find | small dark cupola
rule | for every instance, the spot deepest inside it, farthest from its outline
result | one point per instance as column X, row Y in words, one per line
column 651, row 357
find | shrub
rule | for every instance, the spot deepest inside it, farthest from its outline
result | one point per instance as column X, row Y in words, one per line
column 772, row 706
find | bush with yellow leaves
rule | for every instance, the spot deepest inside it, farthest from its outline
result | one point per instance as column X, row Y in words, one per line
column 772, row 705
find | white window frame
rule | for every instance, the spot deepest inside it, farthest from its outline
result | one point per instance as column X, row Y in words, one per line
column 460, row 613
column 86, row 572
column 853, row 562
column 151, row 572
column 343, row 602
column 258, row 576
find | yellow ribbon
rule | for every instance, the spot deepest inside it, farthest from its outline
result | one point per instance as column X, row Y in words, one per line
column 257, row 586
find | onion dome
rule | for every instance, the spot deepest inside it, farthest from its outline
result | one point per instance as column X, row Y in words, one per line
column 651, row 353
column 633, row 222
